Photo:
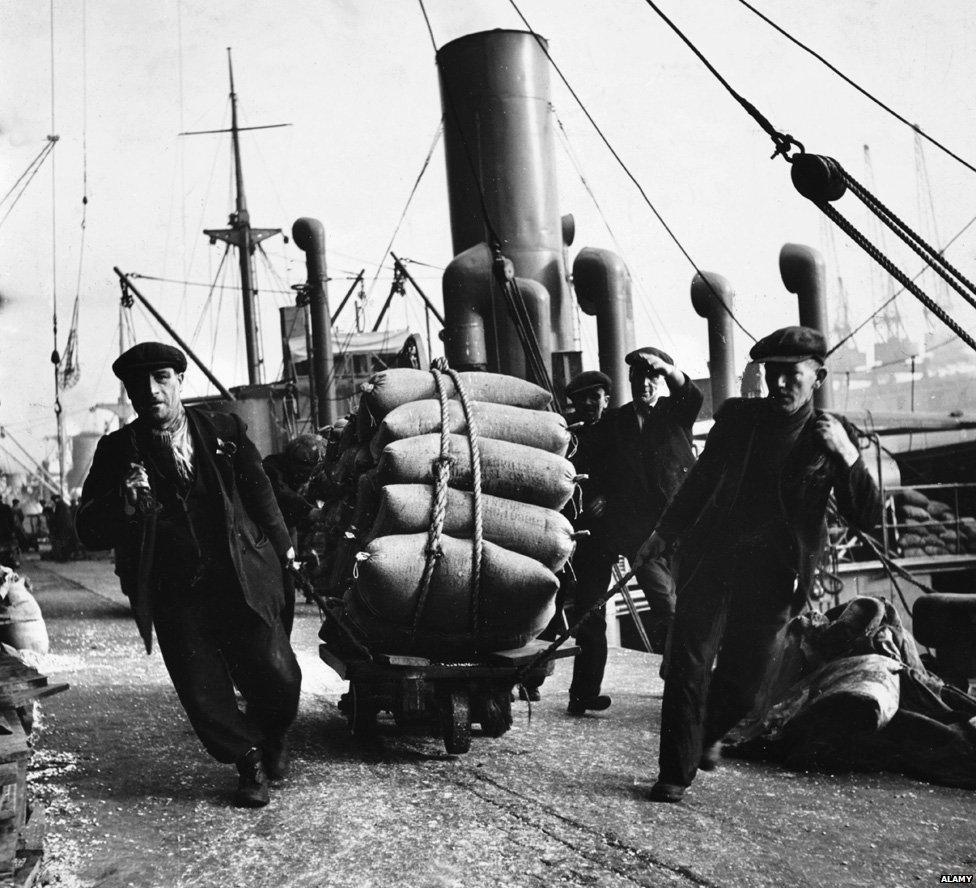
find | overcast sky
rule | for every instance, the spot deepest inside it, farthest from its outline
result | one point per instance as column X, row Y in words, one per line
column 357, row 80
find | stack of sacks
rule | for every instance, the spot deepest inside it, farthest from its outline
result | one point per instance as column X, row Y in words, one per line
column 931, row 527
column 525, row 481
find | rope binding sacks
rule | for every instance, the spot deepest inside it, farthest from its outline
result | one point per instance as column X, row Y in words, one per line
column 441, row 472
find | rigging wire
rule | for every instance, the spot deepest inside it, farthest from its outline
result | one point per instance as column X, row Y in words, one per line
column 782, row 148
column 36, row 163
column 206, row 305
column 860, row 89
column 430, row 30
column 396, row 230
column 71, row 367
column 645, row 302
column 55, row 357
column 182, row 143
column 34, row 160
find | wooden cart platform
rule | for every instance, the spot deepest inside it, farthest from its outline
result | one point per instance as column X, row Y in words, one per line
column 448, row 696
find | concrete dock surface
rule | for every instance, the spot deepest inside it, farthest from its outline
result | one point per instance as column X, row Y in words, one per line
column 132, row 799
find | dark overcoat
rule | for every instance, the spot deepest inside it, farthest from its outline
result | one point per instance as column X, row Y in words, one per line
column 638, row 470
column 698, row 518
column 252, row 528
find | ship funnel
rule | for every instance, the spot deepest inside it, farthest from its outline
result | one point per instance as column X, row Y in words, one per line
column 500, row 151
column 802, row 270
column 309, row 235
column 712, row 297
column 603, row 289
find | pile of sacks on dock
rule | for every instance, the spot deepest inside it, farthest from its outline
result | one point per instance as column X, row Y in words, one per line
column 411, row 591
column 930, row 527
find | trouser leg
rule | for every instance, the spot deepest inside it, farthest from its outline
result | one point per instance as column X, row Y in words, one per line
column 702, row 608
column 265, row 670
column 288, row 611
column 655, row 580
column 749, row 645
column 592, row 567
column 189, row 642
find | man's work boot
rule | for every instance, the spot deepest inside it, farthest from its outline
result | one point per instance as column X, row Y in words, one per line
column 671, row 793
column 711, row 757
column 275, row 759
column 252, row 786
column 580, row 705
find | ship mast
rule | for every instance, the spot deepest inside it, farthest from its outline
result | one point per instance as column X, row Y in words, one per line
column 243, row 237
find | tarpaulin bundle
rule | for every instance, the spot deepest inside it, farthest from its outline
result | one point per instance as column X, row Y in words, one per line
column 851, row 693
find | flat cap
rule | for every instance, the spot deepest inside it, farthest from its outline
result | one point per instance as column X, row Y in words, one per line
column 306, row 450
column 640, row 356
column 148, row 356
column 586, row 380
column 789, row 345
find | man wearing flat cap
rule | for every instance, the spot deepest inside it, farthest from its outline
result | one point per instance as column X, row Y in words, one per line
column 200, row 550
column 637, row 457
column 749, row 529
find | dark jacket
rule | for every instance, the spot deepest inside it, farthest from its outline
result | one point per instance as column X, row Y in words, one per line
column 252, row 528
column 294, row 507
column 639, row 470
column 697, row 517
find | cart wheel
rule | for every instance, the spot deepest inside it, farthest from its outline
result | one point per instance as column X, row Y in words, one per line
column 456, row 722
column 496, row 714
column 360, row 713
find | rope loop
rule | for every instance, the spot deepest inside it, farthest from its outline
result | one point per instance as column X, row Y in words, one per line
column 784, row 142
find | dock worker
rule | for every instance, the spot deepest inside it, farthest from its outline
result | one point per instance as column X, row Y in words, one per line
column 638, row 456
column 200, row 550
column 292, row 474
column 749, row 529
column 589, row 394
